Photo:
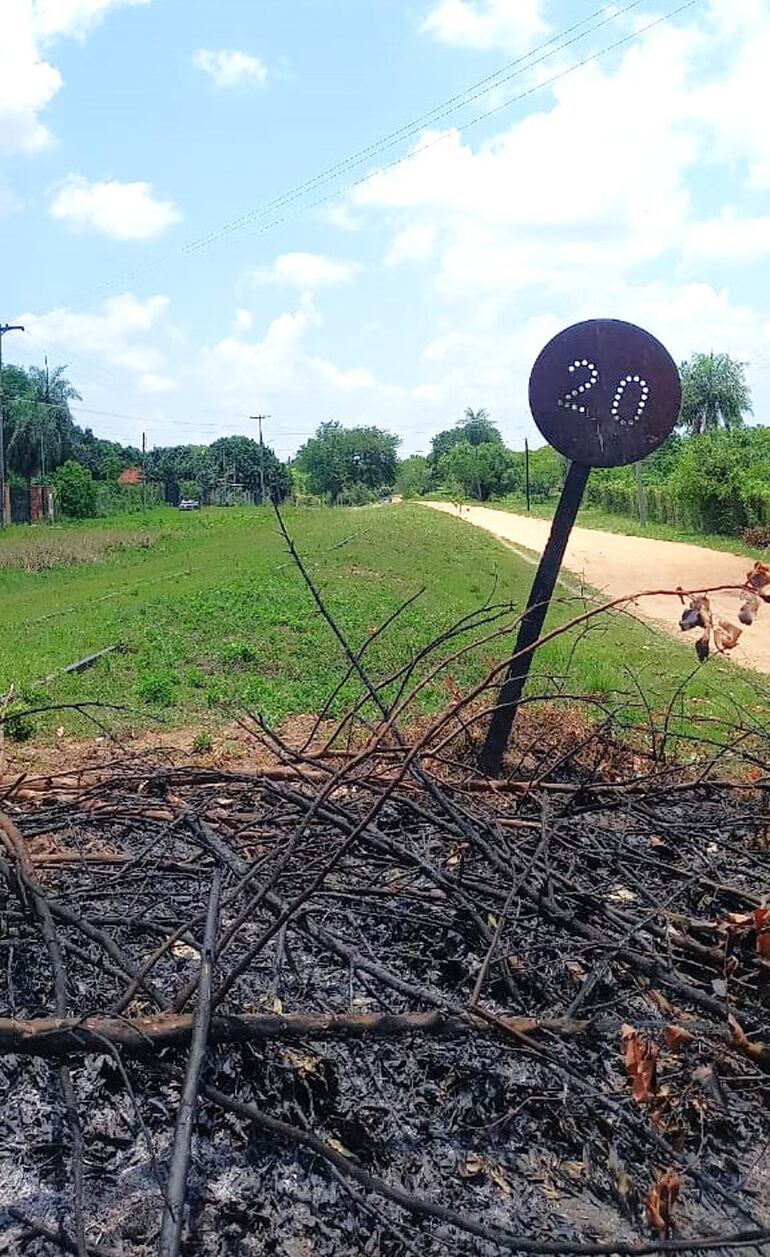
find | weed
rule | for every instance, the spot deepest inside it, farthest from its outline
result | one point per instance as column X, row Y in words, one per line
column 157, row 688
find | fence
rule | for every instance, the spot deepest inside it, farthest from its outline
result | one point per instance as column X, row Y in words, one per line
column 28, row 506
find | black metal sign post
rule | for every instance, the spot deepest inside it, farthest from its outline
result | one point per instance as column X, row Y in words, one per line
column 603, row 393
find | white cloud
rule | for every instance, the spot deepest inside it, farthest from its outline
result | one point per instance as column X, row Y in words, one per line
column 486, row 24
column 242, row 321
column 112, row 338
column 73, row 17
column 123, row 211
column 307, row 271
column 414, row 244
column 28, row 83
column 288, row 375
column 150, row 382
column 732, row 237
column 28, row 80
column 229, row 68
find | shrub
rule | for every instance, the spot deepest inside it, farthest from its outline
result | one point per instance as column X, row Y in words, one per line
column 238, row 652
column 758, row 536
column 157, row 688
column 75, row 491
column 202, row 742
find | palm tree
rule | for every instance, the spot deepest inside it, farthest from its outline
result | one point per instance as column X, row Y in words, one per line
column 42, row 423
column 477, row 428
column 714, row 393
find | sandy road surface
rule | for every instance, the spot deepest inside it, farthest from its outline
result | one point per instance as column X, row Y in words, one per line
column 618, row 565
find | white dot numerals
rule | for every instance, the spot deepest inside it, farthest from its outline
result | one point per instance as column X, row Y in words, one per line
column 573, row 399
column 644, row 392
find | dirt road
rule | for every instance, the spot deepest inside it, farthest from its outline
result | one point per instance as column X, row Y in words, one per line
column 617, row 565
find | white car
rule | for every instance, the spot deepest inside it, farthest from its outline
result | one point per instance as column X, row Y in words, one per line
column 189, row 504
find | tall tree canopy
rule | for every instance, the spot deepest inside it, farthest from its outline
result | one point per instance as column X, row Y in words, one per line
column 475, row 428
column 714, row 393
column 39, row 426
column 338, row 459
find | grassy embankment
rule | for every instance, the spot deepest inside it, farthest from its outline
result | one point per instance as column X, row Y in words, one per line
column 629, row 526
column 215, row 618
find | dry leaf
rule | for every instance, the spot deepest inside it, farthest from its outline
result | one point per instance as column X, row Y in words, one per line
column 660, row 1001
column 726, row 635
column 305, row 1064
column 620, row 894
column 183, row 952
column 340, row 1148
column 499, row 1179
column 456, row 855
column 702, row 647
column 677, row 1038
column 749, row 609
column 708, row 1078
column 640, row 1056
column 472, row 1167
column 759, row 577
column 661, row 1199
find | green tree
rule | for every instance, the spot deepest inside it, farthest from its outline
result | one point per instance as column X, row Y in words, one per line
column 75, row 491
column 481, row 471
column 40, row 427
column 338, row 459
column 413, row 476
column 239, row 459
column 714, row 393
column 475, row 428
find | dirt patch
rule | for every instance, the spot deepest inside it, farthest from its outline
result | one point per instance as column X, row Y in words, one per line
column 618, row 566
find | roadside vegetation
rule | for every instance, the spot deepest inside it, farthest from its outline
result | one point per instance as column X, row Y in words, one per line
column 709, row 483
column 212, row 619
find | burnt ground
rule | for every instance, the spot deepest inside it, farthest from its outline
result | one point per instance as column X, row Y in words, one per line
column 439, row 1016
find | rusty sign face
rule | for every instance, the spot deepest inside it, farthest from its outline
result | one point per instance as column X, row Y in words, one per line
column 605, row 393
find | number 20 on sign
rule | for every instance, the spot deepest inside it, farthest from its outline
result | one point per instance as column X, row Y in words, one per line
column 603, row 393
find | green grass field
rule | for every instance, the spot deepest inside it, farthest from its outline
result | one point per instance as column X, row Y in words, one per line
column 213, row 616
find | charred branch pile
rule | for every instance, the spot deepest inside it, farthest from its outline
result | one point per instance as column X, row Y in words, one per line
column 367, row 1003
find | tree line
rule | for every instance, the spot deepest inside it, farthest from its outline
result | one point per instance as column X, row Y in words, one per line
column 713, row 473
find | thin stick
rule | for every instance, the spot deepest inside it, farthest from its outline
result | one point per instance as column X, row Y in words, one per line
column 173, row 1213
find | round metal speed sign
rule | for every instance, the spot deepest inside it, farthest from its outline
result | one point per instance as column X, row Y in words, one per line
column 605, row 393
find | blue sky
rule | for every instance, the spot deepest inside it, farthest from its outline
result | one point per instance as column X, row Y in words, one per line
column 144, row 142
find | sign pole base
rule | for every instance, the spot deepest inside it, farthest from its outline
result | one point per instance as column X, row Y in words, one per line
column 532, row 621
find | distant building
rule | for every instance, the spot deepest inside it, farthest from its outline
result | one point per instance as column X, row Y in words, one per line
column 132, row 475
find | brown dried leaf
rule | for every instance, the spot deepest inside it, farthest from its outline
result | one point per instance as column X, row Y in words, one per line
column 661, row 1199
column 759, row 576
column 677, row 1038
column 726, row 635
column 298, row 1060
column 640, row 1057
column 702, row 646
column 749, row 609
column 499, row 1178
column 472, row 1167
column 660, row 1001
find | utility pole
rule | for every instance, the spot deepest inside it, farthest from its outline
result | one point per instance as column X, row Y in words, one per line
column 144, row 471
column 4, row 327
column 258, row 419
column 526, row 472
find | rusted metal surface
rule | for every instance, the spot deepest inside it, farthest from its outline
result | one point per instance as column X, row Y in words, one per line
column 605, row 393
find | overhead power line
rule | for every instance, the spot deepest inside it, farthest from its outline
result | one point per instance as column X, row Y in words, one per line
column 549, row 48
